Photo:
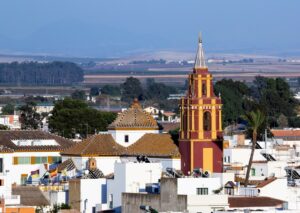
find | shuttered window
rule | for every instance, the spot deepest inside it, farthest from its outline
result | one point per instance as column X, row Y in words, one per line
column 40, row 160
column 24, row 160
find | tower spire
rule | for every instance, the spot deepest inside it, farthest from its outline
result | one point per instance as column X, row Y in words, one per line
column 200, row 59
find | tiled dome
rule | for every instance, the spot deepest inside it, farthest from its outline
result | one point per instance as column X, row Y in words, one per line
column 134, row 118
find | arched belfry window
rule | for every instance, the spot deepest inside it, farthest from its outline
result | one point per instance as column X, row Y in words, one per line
column 203, row 89
column 207, row 121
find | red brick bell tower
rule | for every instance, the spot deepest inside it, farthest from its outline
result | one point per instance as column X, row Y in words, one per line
column 200, row 137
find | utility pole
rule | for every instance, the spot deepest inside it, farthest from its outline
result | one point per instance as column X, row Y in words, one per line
column 266, row 138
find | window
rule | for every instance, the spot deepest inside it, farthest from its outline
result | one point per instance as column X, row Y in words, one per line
column 23, row 160
column 207, row 121
column 23, row 179
column 40, row 160
column 252, row 172
column 228, row 159
column 1, row 165
column 110, row 201
column 203, row 89
column 56, row 159
column 126, row 139
column 202, row 191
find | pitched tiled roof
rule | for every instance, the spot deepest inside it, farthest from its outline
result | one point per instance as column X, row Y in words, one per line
column 30, row 196
column 134, row 118
column 266, row 182
column 7, row 136
column 153, row 145
column 242, row 202
column 96, row 145
column 167, row 126
column 4, row 149
column 286, row 133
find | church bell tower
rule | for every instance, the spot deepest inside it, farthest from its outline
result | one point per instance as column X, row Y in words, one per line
column 200, row 137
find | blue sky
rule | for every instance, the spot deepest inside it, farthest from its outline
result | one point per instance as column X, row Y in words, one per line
column 111, row 28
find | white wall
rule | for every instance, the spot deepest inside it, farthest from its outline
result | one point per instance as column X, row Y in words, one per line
column 91, row 193
column 105, row 164
column 15, row 171
column 277, row 189
column 224, row 177
column 241, row 155
column 261, row 171
column 165, row 162
column 270, row 168
column 5, row 190
column 57, row 197
column 131, row 177
column 277, row 168
column 188, row 186
column 206, row 203
column 134, row 135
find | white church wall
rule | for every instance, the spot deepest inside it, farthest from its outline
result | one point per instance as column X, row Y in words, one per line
column 107, row 164
column 133, row 135
column 165, row 162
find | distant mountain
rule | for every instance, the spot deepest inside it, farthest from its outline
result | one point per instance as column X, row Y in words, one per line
column 81, row 39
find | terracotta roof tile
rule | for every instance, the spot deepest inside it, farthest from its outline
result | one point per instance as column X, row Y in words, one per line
column 286, row 133
column 96, row 145
column 5, row 149
column 266, row 182
column 134, row 117
column 167, row 126
column 242, row 202
column 7, row 136
column 30, row 196
column 260, row 161
column 154, row 145
column 151, row 145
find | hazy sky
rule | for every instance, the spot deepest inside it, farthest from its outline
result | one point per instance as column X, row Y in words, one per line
column 116, row 28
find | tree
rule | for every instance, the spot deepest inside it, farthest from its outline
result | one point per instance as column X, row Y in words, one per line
column 235, row 99
column 3, row 127
column 78, row 95
column 131, row 89
column 158, row 91
column 34, row 73
column 255, row 119
column 75, row 116
column 175, row 135
column 274, row 96
column 94, row 91
column 29, row 118
column 8, row 109
column 282, row 121
column 111, row 90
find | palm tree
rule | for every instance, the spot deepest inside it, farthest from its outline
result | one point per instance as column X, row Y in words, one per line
column 255, row 119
